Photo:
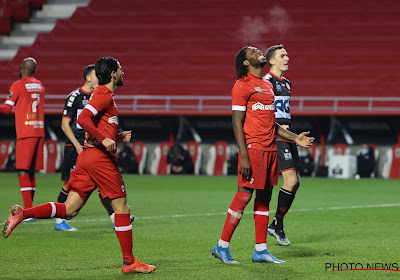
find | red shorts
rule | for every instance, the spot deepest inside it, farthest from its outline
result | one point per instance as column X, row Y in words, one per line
column 96, row 169
column 29, row 153
column 264, row 169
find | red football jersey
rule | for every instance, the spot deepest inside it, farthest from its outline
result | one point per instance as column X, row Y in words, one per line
column 106, row 116
column 255, row 96
column 27, row 95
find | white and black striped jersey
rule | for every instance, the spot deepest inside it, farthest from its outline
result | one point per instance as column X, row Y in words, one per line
column 74, row 104
column 282, row 88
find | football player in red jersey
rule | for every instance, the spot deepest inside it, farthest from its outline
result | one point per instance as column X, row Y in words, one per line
column 96, row 167
column 255, row 128
column 27, row 96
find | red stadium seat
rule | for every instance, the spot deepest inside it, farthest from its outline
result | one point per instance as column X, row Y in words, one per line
column 37, row 4
column 159, row 165
column 5, row 151
column 139, row 149
column 391, row 168
column 20, row 9
column 51, row 156
column 195, row 152
column 217, row 160
column 5, row 19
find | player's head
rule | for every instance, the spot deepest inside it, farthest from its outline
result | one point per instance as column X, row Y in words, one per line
column 28, row 67
column 277, row 58
column 107, row 70
column 89, row 75
column 248, row 57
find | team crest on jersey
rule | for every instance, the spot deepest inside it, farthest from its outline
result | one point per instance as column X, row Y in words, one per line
column 113, row 120
column 262, row 107
column 85, row 102
column 10, row 94
column 278, row 87
column 287, row 155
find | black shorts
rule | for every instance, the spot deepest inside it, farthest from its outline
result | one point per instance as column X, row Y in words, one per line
column 288, row 156
column 69, row 162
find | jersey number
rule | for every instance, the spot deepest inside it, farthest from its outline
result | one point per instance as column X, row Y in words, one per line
column 36, row 102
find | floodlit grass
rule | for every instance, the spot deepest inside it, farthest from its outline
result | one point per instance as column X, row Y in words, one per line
column 179, row 220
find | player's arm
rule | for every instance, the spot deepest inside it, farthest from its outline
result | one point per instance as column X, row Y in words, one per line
column 10, row 102
column 6, row 109
column 66, row 128
column 237, row 122
column 301, row 139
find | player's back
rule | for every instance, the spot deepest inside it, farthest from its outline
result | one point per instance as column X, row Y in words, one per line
column 28, row 96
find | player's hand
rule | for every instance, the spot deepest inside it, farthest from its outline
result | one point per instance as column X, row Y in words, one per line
column 126, row 136
column 303, row 140
column 245, row 168
column 79, row 149
column 109, row 144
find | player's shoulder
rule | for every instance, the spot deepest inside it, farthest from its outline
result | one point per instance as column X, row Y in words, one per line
column 73, row 93
column 241, row 82
column 287, row 80
column 102, row 92
column 268, row 77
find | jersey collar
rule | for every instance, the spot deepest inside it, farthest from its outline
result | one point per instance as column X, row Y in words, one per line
column 272, row 74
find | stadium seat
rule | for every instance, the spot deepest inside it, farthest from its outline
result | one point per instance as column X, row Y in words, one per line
column 217, row 159
column 159, row 165
column 37, row 4
column 51, row 156
column 5, row 19
column 20, row 9
column 391, row 168
column 5, row 151
column 195, row 152
column 139, row 149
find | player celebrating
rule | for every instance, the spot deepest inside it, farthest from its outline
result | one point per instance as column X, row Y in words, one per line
column 288, row 157
column 96, row 167
column 27, row 95
column 254, row 127
column 74, row 105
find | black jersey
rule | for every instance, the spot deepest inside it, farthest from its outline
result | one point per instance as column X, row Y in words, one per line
column 74, row 104
column 282, row 88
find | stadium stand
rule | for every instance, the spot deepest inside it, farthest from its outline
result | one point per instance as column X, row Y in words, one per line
column 51, row 156
column 391, row 167
column 139, row 149
column 5, row 151
column 190, row 46
column 217, row 159
column 158, row 164
column 195, row 152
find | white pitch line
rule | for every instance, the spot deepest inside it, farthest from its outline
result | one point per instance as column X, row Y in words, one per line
column 224, row 213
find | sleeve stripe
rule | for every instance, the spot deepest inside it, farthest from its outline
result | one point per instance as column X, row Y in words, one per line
column 9, row 102
column 91, row 109
column 238, row 108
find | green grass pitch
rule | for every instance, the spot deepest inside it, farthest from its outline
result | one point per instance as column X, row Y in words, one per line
column 179, row 220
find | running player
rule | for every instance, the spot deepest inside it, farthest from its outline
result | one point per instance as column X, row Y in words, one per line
column 288, row 157
column 254, row 128
column 74, row 105
column 27, row 95
column 96, row 167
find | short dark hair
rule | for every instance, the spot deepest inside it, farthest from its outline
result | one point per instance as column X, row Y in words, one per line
column 87, row 70
column 271, row 51
column 241, row 70
column 104, row 67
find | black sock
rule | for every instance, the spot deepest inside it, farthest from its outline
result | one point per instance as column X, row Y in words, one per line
column 285, row 200
column 106, row 203
column 62, row 197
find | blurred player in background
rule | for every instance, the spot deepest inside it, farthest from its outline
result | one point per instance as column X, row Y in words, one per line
column 27, row 95
column 96, row 167
column 254, row 128
column 74, row 105
column 288, row 157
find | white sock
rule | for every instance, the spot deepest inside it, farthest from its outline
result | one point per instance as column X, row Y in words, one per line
column 223, row 244
column 59, row 221
column 261, row 247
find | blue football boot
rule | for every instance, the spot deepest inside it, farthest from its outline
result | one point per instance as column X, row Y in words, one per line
column 224, row 254
column 64, row 226
column 265, row 256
